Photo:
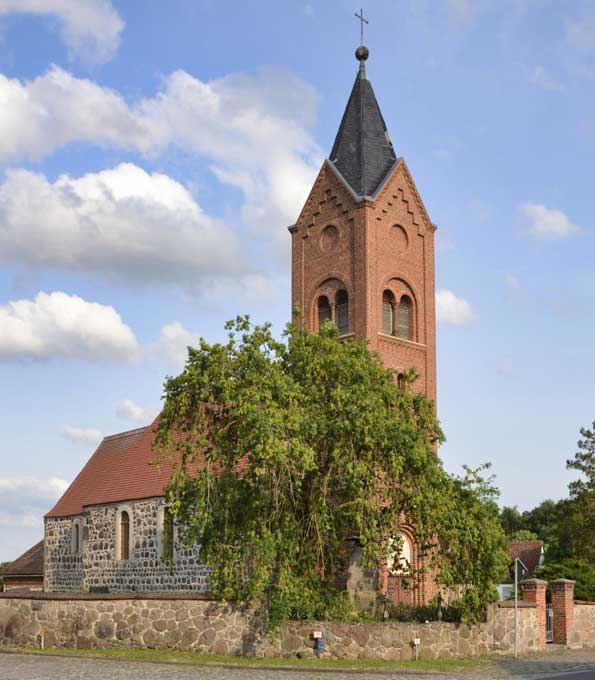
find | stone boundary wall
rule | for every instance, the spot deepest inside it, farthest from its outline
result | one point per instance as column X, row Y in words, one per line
column 583, row 629
column 206, row 625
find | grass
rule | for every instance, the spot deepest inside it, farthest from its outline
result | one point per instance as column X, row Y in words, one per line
column 164, row 656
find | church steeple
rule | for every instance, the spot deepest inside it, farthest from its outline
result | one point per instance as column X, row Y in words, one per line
column 363, row 152
column 362, row 247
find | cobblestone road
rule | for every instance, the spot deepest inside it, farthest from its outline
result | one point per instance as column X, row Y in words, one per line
column 566, row 666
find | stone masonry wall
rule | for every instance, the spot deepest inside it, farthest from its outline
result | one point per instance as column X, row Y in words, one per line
column 583, row 629
column 200, row 624
column 63, row 570
column 97, row 565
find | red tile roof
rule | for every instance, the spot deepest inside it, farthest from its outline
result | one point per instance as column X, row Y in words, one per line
column 30, row 563
column 529, row 552
column 119, row 470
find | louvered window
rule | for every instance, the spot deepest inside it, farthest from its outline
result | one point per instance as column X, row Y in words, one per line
column 324, row 311
column 404, row 318
column 342, row 309
column 388, row 305
column 124, row 536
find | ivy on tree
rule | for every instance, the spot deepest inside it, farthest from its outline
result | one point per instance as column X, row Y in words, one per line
column 283, row 450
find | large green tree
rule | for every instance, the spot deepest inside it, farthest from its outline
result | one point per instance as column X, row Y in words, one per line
column 577, row 530
column 285, row 449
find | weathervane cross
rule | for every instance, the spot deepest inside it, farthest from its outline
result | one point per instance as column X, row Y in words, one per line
column 362, row 21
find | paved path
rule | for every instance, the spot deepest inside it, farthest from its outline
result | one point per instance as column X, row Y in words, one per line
column 560, row 666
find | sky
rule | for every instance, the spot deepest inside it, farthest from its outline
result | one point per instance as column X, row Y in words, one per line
column 152, row 155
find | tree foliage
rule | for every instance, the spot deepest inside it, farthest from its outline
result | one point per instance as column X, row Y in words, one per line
column 579, row 570
column 567, row 526
column 285, row 449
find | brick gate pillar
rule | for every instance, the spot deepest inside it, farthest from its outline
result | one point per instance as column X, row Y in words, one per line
column 533, row 590
column 562, row 609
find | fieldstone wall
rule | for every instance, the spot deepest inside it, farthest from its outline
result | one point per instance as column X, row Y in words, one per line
column 197, row 623
column 582, row 635
column 62, row 569
column 97, row 565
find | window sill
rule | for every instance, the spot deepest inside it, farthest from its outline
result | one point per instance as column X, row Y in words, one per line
column 396, row 338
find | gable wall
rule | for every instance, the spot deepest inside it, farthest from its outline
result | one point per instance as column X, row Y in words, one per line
column 98, row 567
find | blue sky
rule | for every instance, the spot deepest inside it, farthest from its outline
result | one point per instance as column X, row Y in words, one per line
column 152, row 155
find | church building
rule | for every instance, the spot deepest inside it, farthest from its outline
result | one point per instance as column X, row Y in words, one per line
column 362, row 256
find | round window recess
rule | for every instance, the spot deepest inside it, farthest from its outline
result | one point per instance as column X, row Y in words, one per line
column 329, row 238
column 399, row 238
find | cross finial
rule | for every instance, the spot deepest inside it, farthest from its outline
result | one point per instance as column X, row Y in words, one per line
column 362, row 21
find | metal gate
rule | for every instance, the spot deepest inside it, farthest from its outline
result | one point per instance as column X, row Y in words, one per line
column 549, row 624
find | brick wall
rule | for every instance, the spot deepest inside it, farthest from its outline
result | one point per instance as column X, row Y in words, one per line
column 367, row 248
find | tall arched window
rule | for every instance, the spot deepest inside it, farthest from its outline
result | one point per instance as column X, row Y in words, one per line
column 168, row 535
column 124, row 536
column 400, row 559
column 405, row 318
column 401, row 382
column 388, row 312
column 342, row 312
column 324, row 311
column 75, row 544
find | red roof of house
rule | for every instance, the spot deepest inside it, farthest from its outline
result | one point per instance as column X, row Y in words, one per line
column 119, row 470
column 529, row 552
column 30, row 563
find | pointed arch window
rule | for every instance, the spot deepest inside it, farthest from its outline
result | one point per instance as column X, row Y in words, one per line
column 405, row 318
column 124, row 536
column 324, row 311
column 342, row 312
column 388, row 312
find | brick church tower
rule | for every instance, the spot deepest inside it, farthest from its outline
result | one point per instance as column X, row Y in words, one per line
column 363, row 245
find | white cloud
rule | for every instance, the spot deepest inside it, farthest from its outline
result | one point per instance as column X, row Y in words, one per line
column 90, row 28
column 10, row 520
column 24, row 500
column 254, row 131
column 122, row 224
column 47, row 489
column 452, row 309
column 79, row 435
column 540, row 77
column 128, row 410
column 511, row 281
column 548, row 223
column 58, row 324
column 173, row 344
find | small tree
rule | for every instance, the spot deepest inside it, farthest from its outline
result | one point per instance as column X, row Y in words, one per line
column 285, row 449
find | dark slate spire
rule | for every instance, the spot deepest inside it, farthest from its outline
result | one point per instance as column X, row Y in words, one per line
column 363, row 152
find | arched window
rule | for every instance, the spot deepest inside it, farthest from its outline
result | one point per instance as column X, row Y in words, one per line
column 168, row 536
column 324, row 311
column 405, row 318
column 400, row 560
column 342, row 312
column 76, row 538
column 124, row 536
column 388, row 312
column 401, row 382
